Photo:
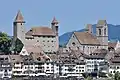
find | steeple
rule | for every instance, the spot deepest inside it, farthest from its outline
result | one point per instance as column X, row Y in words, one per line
column 54, row 21
column 19, row 18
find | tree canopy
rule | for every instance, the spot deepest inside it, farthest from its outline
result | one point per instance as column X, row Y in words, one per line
column 18, row 46
column 5, row 43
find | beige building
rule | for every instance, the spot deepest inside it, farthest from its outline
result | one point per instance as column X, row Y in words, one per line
column 41, row 36
column 87, row 42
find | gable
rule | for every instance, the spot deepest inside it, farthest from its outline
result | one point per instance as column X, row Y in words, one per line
column 73, row 41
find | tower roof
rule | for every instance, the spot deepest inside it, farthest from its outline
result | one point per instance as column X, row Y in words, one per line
column 101, row 23
column 19, row 17
column 54, row 21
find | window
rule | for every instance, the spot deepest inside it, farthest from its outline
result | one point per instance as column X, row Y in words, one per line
column 79, row 70
column 5, row 70
column 117, row 67
column 23, row 52
column 99, row 31
column 6, row 58
column 73, row 43
column 113, row 71
column 105, row 31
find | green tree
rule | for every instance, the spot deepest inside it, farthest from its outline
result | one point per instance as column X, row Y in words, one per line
column 89, row 78
column 5, row 43
column 17, row 47
column 117, row 76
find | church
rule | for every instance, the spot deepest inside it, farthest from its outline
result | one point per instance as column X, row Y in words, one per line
column 43, row 38
column 87, row 42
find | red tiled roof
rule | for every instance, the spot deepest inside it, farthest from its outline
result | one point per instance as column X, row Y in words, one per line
column 40, row 31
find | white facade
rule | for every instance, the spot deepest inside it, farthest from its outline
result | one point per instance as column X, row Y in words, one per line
column 92, row 64
column 5, row 71
column 72, row 69
column 114, row 68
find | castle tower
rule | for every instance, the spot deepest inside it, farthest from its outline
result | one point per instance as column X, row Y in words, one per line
column 102, row 33
column 18, row 28
column 54, row 26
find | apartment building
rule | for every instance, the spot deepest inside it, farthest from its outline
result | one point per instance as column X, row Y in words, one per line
column 5, row 67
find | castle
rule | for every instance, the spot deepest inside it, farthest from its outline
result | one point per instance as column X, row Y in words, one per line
column 44, row 38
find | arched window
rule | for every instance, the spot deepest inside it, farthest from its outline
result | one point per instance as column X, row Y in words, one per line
column 105, row 31
column 99, row 31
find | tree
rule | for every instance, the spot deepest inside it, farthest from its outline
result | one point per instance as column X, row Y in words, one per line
column 117, row 76
column 17, row 47
column 5, row 43
column 89, row 78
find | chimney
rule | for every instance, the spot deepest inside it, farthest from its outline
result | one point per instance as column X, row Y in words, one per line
column 89, row 28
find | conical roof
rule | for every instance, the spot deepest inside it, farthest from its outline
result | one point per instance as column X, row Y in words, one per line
column 54, row 21
column 19, row 17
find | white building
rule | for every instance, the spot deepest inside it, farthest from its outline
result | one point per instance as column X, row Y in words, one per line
column 114, row 64
column 5, row 67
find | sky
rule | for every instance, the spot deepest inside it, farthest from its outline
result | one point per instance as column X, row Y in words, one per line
column 71, row 14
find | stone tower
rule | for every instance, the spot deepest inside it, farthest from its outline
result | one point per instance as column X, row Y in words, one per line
column 54, row 26
column 18, row 28
column 102, row 33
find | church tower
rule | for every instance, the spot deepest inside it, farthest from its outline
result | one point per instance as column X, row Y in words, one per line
column 54, row 26
column 18, row 28
column 102, row 33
